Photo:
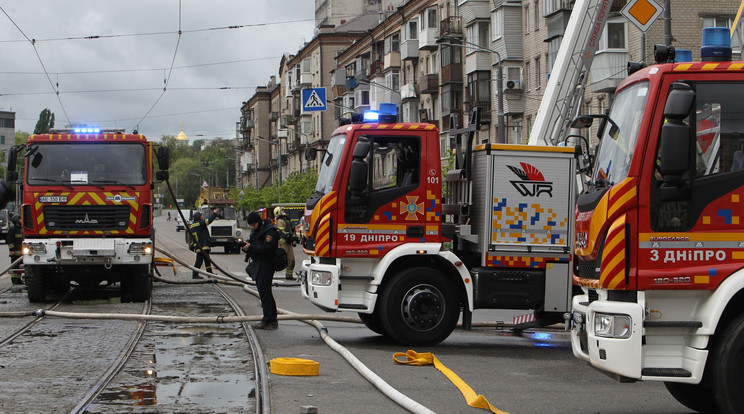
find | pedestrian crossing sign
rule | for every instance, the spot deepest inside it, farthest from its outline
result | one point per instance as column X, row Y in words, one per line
column 314, row 100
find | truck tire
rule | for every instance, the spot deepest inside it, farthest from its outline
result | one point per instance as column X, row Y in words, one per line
column 696, row 397
column 373, row 322
column 420, row 306
column 137, row 284
column 726, row 362
column 35, row 284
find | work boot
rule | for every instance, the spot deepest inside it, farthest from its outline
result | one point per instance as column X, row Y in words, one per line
column 265, row 326
column 196, row 276
column 289, row 276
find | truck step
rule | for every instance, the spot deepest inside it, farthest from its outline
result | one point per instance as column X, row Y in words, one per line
column 673, row 324
column 666, row 372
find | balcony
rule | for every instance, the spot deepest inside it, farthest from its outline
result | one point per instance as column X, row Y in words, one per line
column 451, row 28
column 485, row 110
column 376, row 67
column 249, row 124
column 306, row 78
column 452, row 73
column 409, row 49
column 608, row 69
column 429, row 84
column 392, row 60
column 428, row 39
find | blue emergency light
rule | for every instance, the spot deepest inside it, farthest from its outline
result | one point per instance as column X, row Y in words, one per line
column 87, row 130
column 387, row 114
column 716, row 45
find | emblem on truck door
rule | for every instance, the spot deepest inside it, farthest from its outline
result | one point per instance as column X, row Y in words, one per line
column 532, row 182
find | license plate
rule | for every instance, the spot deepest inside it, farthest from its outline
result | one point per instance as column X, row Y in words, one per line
column 53, row 199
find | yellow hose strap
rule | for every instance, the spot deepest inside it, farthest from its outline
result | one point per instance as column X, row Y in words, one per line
column 427, row 358
column 294, row 366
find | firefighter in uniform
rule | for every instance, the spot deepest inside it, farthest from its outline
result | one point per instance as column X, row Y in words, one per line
column 284, row 225
column 261, row 243
column 15, row 242
column 200, row 231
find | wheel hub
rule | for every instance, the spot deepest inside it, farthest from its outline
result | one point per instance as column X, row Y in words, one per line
column 423, row 307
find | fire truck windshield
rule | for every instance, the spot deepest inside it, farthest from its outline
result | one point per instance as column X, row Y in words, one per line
column 89, row 164
column 330, row 163
column 621, row 134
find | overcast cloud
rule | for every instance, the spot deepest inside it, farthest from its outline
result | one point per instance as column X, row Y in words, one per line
column 113, row 81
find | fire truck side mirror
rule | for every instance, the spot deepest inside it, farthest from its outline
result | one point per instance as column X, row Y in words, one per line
column 163, row 155
column 12, row 162
column 6, row 192
column 358, row 176
column 675, row 143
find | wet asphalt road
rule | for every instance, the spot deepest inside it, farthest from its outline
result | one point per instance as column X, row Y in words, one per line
column 534, row 373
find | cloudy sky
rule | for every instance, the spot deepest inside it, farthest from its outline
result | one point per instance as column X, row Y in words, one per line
column 116, row 80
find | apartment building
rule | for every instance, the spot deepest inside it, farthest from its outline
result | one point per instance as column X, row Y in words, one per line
column 436, row 60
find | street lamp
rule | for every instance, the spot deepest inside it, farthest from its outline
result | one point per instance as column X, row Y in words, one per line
column 500, row 132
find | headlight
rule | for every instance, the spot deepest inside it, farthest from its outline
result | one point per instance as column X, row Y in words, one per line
column 612, row 326
column 321, row 278
column 33, row 248
column 140, row 248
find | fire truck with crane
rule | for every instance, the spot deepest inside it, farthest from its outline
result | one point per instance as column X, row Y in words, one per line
column 659, row 250
column 87, row 210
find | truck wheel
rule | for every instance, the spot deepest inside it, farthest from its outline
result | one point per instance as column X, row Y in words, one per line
column 419, row 307
column 35, row 284
column 372, row 321
column 137, row 285
column 726, row 362
column 696, row 397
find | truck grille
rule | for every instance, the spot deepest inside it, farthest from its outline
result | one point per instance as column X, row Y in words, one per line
column 70, row 218
column 221, row 231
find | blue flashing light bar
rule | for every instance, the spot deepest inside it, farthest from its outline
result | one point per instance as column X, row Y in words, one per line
column 371, row 116
column 87, row 130
column 716, row 45
column 683, row 55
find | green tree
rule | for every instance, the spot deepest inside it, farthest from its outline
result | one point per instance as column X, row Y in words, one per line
column 45, row 122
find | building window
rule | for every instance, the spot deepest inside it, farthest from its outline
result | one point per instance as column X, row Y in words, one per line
column 527, row 18
column 477, row 34
column 412, row 29
column 433, row 67
column 536, row 12
column 392, row 43
column 497, row 24
column 2, row 139
column 526, row 75
column 392, row 80
column 614, row 36
column 479, row 86
column 538, row 73
column 553, row 46
column 451, row 55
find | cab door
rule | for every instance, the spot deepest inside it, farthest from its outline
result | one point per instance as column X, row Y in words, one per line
column 690, row 238
column 385, row 201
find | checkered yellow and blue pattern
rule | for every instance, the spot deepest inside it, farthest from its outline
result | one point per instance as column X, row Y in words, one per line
column 526, row 224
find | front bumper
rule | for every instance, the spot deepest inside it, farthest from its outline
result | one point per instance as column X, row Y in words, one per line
column 616, row 356
column 108, row 251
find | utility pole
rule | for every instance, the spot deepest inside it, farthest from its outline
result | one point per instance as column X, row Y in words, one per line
column 668, row 22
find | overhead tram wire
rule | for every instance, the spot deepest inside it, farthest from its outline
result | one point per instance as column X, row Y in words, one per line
column 170, row 71
column 33, row 44
column 96, row 37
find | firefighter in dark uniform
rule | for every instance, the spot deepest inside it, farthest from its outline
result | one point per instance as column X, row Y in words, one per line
column 260, row 247
column 284, row 225
column 15, row 243
column 201, row 232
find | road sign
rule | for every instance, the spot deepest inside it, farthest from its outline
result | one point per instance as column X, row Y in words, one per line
column 642, row 13
column 314, row 100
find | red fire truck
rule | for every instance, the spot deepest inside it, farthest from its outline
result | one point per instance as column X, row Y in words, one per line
column 87, row 210
column 377, row 227
column 660, row 234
